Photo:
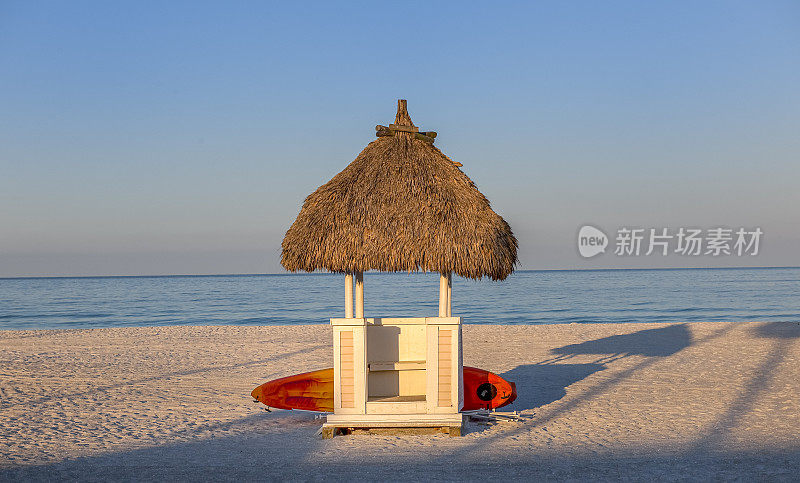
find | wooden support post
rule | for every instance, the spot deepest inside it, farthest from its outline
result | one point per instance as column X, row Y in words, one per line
column 359, row 295
column 348, row 296
column 443, row 295
column 449, row 294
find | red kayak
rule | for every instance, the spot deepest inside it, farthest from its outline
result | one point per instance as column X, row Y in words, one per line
column 313, row 391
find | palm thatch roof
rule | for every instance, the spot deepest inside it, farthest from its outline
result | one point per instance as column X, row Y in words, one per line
column 402, row 205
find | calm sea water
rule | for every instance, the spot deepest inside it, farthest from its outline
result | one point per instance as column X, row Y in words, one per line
column 528, row 297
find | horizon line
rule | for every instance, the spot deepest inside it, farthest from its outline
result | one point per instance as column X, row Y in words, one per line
column 419, row 272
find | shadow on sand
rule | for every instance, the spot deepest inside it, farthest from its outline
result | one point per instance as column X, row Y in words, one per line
column 660, row 342
column 541, row 384
column 545, row 382
column 289, row 451
column 783, row 334
column 266, row 446
column 778, row 330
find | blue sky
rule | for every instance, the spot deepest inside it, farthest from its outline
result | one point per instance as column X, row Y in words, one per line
column 182, row 137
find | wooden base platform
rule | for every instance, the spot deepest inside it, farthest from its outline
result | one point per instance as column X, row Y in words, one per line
column 329, row 432
column 405, row 424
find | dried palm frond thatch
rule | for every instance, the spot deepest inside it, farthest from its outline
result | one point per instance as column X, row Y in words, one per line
column 402, row 205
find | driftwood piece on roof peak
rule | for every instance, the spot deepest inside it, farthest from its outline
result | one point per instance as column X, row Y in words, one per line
column 386, row 131
column 389, row 130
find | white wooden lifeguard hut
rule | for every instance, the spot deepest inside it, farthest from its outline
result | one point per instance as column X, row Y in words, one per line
column 401, row 205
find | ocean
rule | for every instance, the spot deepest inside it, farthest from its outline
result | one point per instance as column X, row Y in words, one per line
column 526, row 297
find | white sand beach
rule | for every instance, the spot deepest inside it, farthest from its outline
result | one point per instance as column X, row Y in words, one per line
column 639, row 401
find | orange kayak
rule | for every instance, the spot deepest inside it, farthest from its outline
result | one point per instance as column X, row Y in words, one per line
column 313, row 391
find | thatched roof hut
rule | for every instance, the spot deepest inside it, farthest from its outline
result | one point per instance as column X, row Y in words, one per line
column 402, row 205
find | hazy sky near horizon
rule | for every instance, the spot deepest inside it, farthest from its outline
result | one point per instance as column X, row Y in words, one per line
column 182, row 137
